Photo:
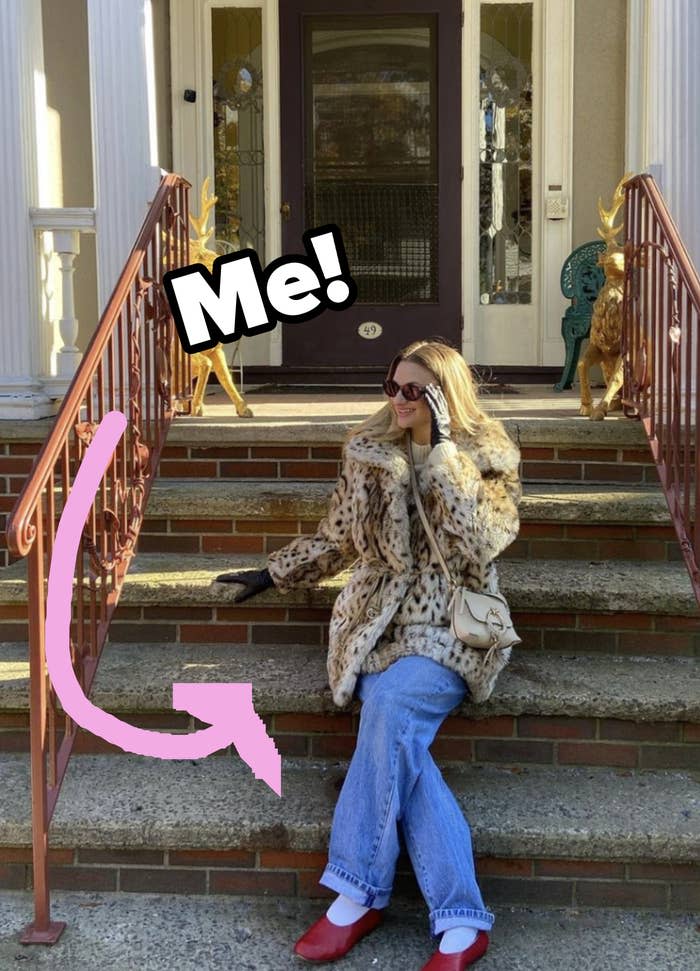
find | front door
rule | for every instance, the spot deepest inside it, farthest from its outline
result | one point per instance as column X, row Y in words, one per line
column 370, row 109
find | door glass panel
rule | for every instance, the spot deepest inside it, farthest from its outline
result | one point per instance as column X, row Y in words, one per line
column 239, row 158
column 505, row 153
column 371, row 163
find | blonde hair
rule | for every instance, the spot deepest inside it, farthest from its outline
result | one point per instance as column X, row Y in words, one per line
column 453, row 376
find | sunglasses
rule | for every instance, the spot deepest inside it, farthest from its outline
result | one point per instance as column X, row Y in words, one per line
column 411, row 392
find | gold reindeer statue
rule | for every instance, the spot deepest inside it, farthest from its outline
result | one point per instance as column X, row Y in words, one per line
column 214, row 359
column 606, row 322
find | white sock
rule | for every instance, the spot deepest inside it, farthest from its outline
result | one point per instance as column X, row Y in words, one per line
column 457, row 939
column 344, row 911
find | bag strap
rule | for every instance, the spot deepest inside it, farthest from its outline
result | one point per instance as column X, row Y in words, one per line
column 424, row 519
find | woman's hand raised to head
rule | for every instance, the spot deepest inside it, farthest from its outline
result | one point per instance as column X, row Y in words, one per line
column 440, row 415
column 253, row 581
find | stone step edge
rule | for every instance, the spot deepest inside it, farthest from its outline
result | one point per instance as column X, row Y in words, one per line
column 571, row 431
column 259, row 931
column 544, row 502
column 130, row 802
column 556, row 586
column 138, row 678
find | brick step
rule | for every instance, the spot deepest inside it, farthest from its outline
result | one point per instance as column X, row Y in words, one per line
column 259, row 932
column 570, row 449
column 565, row 836
column 292, row 448
column 559, row 458
column 572, row 521
column 614, row 607
column 641, row 713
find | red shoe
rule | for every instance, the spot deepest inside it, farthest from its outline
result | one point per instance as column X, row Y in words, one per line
column 326, row 941
column 460, row 959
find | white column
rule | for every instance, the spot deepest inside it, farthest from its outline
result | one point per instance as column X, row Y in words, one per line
column 22, row 108
column 124, row 129
column 673, row 133
column 637, row 90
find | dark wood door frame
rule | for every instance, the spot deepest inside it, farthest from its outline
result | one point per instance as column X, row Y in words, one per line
column 441, row 318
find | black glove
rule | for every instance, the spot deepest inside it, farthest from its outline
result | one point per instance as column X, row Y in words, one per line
column 255, row 581
column 440, row 413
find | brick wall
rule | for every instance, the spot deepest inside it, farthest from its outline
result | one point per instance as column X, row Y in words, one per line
column 322, row 462
column 501, row 739
column 576, row 633
column 16, row 461
column 290, row 873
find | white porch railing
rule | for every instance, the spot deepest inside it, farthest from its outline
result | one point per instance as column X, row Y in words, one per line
column 58, row 234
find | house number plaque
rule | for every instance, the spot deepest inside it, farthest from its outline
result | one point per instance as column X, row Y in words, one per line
column 369, row 329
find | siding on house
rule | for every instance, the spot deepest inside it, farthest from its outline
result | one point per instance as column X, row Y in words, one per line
column 599, row 109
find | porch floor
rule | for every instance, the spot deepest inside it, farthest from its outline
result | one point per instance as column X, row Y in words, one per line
column 535, row 414
column 530, row 401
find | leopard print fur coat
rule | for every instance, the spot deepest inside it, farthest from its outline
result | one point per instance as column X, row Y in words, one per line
column 395, row 603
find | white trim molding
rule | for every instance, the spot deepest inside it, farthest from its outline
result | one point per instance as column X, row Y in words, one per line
column 556, row 127
column 471, row 13
column 80, row 218
column 193, row 139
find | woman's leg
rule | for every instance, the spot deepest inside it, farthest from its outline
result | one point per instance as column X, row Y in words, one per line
column 439, row 843
column 402, row 709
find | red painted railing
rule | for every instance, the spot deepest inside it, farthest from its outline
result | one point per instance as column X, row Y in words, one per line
column 135, row 364
column 661, row 353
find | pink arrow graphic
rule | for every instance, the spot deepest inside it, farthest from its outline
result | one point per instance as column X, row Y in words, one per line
column 226, row 707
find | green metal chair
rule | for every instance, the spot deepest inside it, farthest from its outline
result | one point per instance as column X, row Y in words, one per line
column 581, row 281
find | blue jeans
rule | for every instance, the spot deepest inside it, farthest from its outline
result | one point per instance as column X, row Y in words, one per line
column 392, row 777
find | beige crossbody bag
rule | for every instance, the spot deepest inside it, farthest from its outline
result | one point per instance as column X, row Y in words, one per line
column 481, row 620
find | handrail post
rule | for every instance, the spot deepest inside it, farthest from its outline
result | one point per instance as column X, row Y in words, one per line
column 43, row 930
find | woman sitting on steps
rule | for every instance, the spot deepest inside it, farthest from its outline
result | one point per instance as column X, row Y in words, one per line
column 390, row 643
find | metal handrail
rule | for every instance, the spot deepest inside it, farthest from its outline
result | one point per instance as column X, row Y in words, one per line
column 661, row 354
column 134, row 363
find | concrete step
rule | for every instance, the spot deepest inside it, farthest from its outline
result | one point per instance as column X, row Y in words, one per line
column 634, row 712
column 561, row 521
column 292, row 678
column 258, row 933
column 619, row 587
column 563, row 836
column 613, row 607
column 541, row 502
column 312, row 419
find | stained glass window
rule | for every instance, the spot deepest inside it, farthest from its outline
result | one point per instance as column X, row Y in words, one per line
column 505, row 153
column 239, row 158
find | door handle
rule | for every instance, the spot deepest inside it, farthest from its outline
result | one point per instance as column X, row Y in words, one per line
column 286, row 210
